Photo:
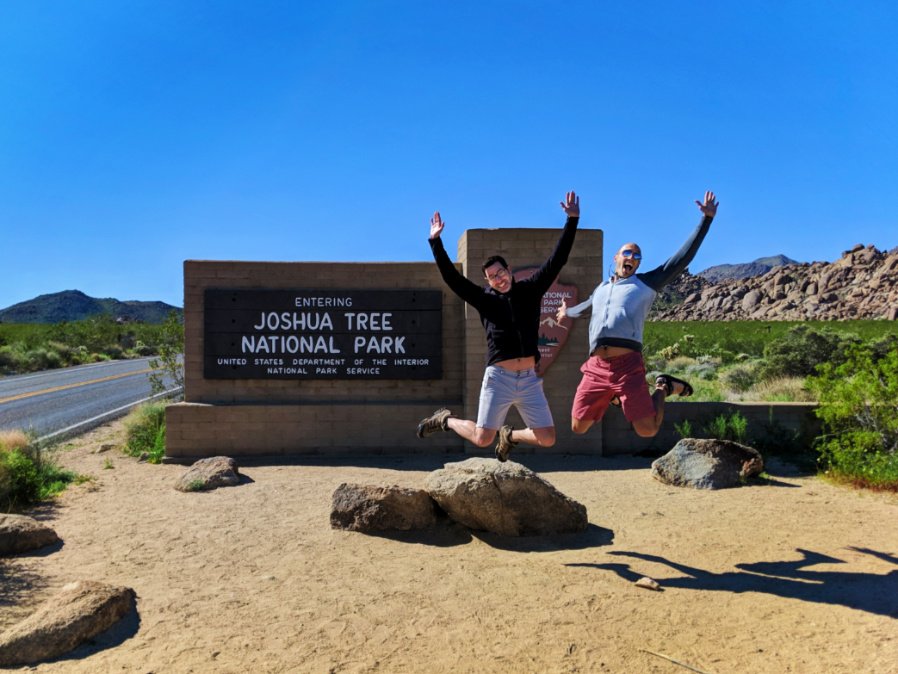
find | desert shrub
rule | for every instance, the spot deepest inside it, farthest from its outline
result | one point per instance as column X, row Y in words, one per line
column 684, row 428
column 145, row 432
column 168, row 368
column 114, row 351
column 739, row 377
column 782, row 390
column 801, row 350
column 27, row 473
column 705, row 367
column 857, row 407
column 722, row 427
column 727, row 427
column 13, row 358
column 43, row 358
column 144, row 350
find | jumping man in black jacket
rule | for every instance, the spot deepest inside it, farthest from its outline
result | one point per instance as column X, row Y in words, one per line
column 510, row 313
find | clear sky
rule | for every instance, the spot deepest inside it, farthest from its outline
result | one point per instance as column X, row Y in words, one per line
column 137, row 134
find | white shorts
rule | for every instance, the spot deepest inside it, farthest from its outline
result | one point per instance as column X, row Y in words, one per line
column 503, row 388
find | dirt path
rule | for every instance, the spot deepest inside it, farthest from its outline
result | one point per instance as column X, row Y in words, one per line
column 794, row 576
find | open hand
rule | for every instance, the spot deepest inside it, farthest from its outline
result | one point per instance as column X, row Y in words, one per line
column 709, row 208
column 571, row 205
column 562, row 311
column 436, row 225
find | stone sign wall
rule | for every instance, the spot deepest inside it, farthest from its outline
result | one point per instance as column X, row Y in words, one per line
column 391, row 341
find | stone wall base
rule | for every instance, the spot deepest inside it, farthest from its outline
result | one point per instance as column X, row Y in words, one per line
column 197, row 430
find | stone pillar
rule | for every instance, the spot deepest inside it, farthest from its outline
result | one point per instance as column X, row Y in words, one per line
column 524, row 248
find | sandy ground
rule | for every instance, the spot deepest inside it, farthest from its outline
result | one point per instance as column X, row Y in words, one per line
column 796, row 575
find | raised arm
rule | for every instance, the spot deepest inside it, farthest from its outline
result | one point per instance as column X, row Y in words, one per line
column 549, row 270
column 468, row 290
column 677, row 263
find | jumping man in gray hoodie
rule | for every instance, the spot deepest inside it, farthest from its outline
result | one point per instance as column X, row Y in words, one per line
column 614, row 373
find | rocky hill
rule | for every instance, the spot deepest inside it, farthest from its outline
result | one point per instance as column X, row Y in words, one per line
column 74, row 305
column 762, row 265
column 863, row 283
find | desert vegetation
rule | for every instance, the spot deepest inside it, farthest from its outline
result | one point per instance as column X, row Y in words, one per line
column 30, row 347
column 28, row 472
column 757, row 361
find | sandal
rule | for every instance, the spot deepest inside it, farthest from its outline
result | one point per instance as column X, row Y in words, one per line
column 667, row 381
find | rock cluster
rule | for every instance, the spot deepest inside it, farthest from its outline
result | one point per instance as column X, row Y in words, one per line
column 862, row 284
column 481, row 494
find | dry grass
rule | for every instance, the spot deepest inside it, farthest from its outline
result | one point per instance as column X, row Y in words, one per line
column 15, row 439
column 782, row 389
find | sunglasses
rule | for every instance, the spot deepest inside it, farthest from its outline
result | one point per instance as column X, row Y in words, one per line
column 631, row 254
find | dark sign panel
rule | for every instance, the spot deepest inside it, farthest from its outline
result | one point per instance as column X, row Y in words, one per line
column 322, row 334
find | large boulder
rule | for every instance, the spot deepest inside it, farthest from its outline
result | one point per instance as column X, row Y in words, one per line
column 81, row 611
column 707, row 464
column 504, row 498
column 211, row 473
column 20, row 533
column 369, row 508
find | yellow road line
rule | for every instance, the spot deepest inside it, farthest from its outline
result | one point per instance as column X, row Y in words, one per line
column 55, row 389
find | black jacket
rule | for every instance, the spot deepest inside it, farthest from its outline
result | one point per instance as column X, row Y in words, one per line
column 511, row 319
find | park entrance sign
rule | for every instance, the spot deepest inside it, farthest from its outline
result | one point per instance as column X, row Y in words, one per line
column 322, row 334
column 324, row 358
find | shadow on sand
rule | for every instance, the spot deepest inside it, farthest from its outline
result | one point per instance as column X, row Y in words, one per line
column 870, row 592
column 451, row 534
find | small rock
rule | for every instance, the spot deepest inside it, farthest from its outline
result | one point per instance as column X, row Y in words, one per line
column 20, row 533
column 370, row 508
column 648, row 584
column 211, row 473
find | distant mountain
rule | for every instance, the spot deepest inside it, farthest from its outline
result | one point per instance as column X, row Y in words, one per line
column 862, row 284
column 762, row 265
column 74, row 305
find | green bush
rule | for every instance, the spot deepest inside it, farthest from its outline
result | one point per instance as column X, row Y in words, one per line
column 858, row 410
column 722, row 427
column 684, row 428
column 28, row 475
column 739, row 377
column 43, row 358
column 802, row 350
column 168, row 367
column 145, row 432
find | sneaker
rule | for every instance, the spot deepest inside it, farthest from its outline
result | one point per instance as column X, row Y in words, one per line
column 505, row 444
column 434, row 423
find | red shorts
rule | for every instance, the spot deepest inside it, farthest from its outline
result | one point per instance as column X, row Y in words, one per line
column 621, row 376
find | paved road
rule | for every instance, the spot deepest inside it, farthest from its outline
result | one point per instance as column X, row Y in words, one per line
column 72, row 400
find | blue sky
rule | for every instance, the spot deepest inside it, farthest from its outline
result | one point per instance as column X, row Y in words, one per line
column 135, row 135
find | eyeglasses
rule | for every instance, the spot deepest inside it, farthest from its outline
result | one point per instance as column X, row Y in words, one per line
column 631, row 253
column 502, row 273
